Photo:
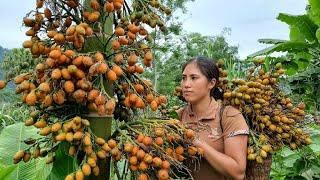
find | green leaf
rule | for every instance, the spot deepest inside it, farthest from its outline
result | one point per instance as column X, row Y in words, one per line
column 265, row 51
column 314, row 11
column 277, row 177
column 308, row 174
column 271, row 41
column 5, row 172
column 287, row 46
column 295, row 177
column 303, row 23
column 291, row 159
column 302, row 63
column 174, row 115
column 315, row 146
column 309, row 72
column 303, row 55
column 316, row 168
column 287, row 152
column 299, row 166
column 267, row 64
column 291, row 68
column 296, row 35
column 95, row 43
column 63, row 164
column 11, row 141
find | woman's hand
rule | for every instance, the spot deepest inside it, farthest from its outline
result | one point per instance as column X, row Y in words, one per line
column 198, row 142
column 232, row 163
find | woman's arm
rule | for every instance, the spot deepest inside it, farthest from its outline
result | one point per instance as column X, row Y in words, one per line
column 233, row 162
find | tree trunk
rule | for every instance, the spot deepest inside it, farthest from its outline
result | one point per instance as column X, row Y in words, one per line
column 101, row 125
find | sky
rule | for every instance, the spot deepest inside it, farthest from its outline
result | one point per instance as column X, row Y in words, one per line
column 249, row 20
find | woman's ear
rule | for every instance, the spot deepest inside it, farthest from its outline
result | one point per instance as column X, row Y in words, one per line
column 212, row 83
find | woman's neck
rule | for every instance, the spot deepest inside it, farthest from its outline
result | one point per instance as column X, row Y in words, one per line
column 201, row 106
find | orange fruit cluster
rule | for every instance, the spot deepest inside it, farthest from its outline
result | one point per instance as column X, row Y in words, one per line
column 154, row 153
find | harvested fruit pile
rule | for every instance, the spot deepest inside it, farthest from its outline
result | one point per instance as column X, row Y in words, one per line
column 273, row 118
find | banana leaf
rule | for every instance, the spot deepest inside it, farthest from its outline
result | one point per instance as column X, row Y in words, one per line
column 11, row 141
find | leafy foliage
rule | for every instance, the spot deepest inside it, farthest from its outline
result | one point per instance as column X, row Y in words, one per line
column 2, row 52
column 171, row 55
column 314, row 11
column 11, row 140
column 301, row 164
column 302, row 61
column 63, row 164
column 5, row 171
column 18, row 61
column 176, row 4
column 6, row 95
column 284, row 46
column 12, row 113
column 303, row 24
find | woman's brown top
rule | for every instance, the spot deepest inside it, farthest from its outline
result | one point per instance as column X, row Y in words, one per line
column 212, row 131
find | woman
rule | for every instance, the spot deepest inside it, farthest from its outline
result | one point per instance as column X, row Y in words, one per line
column 222, row 131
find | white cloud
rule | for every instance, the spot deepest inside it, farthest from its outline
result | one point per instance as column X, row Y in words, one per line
column 249, row 20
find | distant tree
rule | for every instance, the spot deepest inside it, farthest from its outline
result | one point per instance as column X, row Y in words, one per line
column 171, row 55
column 2, row 51
column 17, row 61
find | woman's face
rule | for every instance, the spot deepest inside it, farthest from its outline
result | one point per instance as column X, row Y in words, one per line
column 195, row 85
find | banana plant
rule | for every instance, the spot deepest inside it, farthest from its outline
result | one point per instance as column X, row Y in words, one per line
column 302, row 60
